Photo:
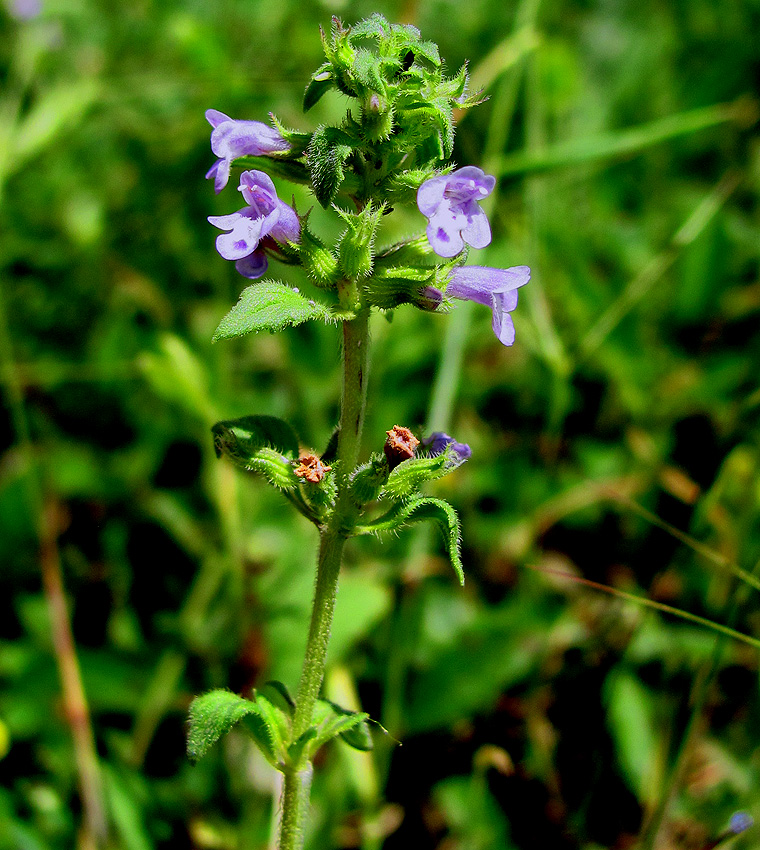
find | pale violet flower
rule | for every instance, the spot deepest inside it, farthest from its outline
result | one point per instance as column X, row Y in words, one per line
column 450, row 203
column 438, row 442
column 231, row 139
column 265, row 216
column 496, row 288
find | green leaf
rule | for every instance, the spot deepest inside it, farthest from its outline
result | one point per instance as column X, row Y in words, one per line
column 321, row 82
column 336, row 721
column 269, row 306
column 327, row 154
column 300, row 751
column 213, row 715
column 631, row 718
column 278, row 694
column 272, row 726
column 438, row 510
column 406, row 479
column 251, row 433
column 263, row 444
column 56, row 110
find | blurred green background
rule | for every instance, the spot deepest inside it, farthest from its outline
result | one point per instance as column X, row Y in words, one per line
column 526, row 710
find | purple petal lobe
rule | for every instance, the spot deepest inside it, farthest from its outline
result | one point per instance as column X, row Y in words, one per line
column 495, row 288
column 231, row 139
column 439, row 442
column 450, row 202
column 253, row 266
column 430, row 195
column 215, row 117
column 288, row 227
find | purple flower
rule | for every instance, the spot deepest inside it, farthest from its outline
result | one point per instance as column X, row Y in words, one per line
column 231, row 139
column 740, row 822
column 496, row 288
column 265, row 215
column 25, row 10
column 454, row 217
column 438, row 442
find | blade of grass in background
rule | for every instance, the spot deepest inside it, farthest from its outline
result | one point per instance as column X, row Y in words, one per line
column 626, row 143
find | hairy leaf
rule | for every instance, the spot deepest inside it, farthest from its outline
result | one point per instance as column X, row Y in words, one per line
column 269, row 306
column 438, row 510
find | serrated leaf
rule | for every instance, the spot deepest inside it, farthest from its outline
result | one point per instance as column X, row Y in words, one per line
column 328, row 152
column 212, row 716
column 269, row 306
column 375, row 26
column 438, row 510
column 366, row 70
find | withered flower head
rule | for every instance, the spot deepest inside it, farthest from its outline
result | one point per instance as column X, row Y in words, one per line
column 400, row 445
column 311, row 468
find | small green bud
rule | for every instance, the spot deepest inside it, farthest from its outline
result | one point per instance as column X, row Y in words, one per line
column 389, row 287
column 369, row 479
column 377, row 118
column 355, row 247
column 318, row 261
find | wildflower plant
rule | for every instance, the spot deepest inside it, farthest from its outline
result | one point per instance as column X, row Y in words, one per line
column 393, row 148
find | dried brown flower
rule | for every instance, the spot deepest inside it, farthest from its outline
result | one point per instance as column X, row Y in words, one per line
column 400, row 445
column 311, row 468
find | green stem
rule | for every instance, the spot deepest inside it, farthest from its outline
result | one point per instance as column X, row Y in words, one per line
column 295, row 804
column 333, row 537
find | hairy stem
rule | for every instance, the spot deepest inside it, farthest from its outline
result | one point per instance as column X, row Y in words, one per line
column 333, row 537
column 295, row 804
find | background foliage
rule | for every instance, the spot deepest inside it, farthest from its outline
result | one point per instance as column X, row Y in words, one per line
column 533, row 711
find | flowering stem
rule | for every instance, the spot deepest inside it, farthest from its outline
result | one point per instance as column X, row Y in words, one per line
column 332, row 539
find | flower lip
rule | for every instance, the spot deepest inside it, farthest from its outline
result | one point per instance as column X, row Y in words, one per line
column 450, row 203
column 265, row 215
column 232, row 138
column 494, row 288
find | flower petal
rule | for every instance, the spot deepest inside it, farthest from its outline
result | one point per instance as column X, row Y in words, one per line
column 430, row 194
column 288, row 227
column 220, row 172
column 254, row 265
column 503, row 327
column 215, row 117
column 445, row 242
column 253, row 179
column 243, row 238
column 232, row 139
column 438, row 442
column 476, row 283
column 478, row 230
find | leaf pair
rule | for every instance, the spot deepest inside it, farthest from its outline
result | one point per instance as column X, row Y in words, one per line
column 267, row 719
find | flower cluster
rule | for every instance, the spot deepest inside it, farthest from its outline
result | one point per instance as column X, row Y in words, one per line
column 400, row 142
